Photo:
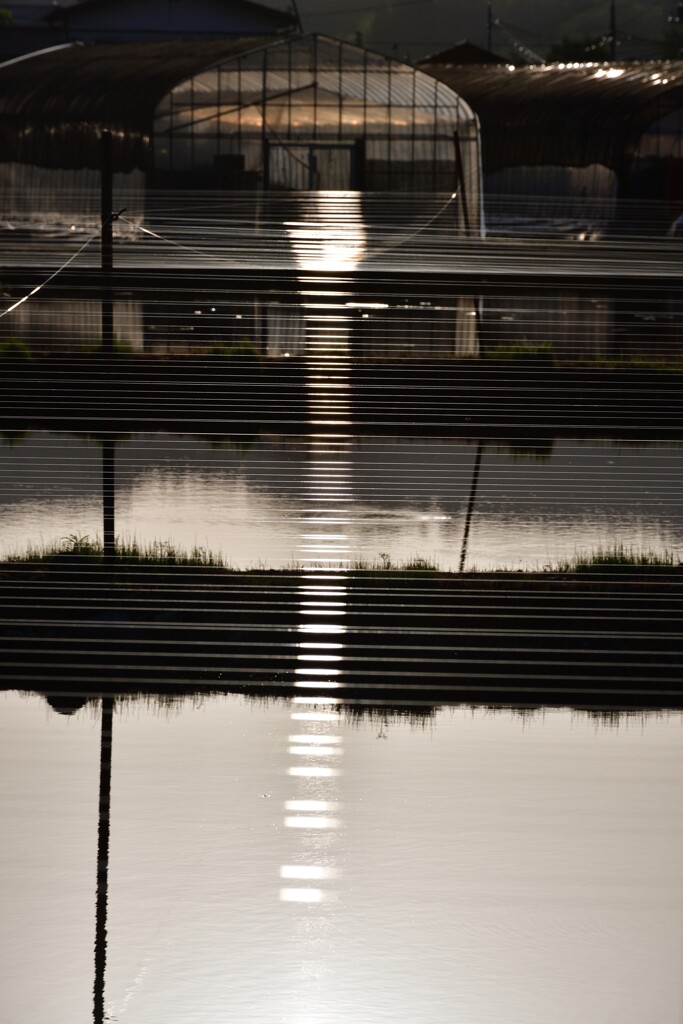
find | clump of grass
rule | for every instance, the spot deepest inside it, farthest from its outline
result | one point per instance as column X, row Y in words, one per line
column 165, row 553
column 665, row 364
column 82, row 550
column 14, row 353
column 524, row 351
column 384, row 563
column 540, row 452
column 119, row 349
column 10, row 436
column 618, row 559
column 242, row 352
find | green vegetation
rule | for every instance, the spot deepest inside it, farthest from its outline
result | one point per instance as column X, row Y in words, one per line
column 79, row 550
column 673, row 364
column 618, row 559
column 121, row 348
column 540, row 452
column 14, row 353
column 542, row 353
column 84, row 551
column 241, row 351
column 11, row 436
column 383, row 564
column 524, row 351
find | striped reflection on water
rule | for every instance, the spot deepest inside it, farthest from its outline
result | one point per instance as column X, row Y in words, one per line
column 308, row 813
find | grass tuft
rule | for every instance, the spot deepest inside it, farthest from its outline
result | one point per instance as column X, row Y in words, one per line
column 80, row 551
column 242, row 352
column 85, row 551
column 617, row 559
column 14, row 353
column 524, row 351
column 383, row 563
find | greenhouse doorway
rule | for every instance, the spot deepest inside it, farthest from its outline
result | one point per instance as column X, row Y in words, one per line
column 315, row 166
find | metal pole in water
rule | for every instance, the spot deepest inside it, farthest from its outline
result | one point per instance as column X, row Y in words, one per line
column 103, row 828
column 107, row 240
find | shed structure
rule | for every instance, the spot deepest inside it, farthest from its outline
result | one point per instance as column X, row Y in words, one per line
column 117, row 21
column 41, row 25
column 288, row 113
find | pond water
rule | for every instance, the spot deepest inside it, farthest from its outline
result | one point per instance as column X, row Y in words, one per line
column 305, row 861
column 335, row 499
column 290, row 863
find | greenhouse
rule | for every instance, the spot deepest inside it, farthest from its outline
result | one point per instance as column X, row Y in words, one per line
column 611, row 132
column 286, row 112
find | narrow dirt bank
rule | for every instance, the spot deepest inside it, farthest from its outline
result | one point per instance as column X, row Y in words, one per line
column 598, row 640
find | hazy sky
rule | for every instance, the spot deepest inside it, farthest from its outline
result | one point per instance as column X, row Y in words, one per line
column 418, row 27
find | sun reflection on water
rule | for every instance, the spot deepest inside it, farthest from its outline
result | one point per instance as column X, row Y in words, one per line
column 315, row 745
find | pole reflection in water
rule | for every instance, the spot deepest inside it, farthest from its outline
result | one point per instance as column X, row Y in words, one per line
column 103, row 828
column 109, row 497
column 470, row 505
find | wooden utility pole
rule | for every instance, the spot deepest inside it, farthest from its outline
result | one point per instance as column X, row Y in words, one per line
column 107, row 241
column 489, row 28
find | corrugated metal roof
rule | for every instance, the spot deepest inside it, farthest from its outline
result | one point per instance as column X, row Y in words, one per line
column 566, row 114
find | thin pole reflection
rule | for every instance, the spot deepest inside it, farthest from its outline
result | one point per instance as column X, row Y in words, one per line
column 103, row 828
column 109, row 498
column 470, row 505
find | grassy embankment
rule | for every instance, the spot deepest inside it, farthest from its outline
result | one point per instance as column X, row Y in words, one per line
column 81, row 551
column 600, row 630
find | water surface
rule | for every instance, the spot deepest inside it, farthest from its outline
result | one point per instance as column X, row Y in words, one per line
column 336, row 498
column 284, row 863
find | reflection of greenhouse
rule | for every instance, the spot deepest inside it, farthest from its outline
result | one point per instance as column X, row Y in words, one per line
column 293, row 112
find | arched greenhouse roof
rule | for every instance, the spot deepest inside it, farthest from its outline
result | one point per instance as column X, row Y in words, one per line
column 53, row 105
column 564, row 114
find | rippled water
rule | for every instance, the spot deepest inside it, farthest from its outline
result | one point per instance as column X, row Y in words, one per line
column 286, row 863
column 277, row 501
